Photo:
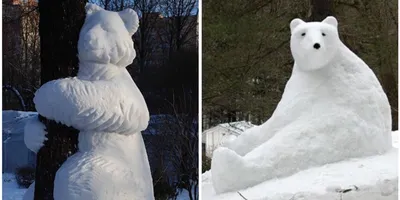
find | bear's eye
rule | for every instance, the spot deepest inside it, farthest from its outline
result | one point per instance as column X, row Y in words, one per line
column 303, row 34
column 323, row 34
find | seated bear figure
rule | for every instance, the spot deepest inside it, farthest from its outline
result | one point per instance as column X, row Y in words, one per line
column 333, row 108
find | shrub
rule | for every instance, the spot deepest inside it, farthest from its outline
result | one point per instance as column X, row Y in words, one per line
column 163, row 188
column 25, row 176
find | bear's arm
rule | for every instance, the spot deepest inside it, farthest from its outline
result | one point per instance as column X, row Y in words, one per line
column 34, row 134
column 101, row 106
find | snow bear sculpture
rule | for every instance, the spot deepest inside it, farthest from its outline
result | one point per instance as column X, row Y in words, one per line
column 104, row 103
column 333, row 108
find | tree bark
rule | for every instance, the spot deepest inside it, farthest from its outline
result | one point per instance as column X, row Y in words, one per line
column 62, row 142
column 59, row 27
column 320, row 9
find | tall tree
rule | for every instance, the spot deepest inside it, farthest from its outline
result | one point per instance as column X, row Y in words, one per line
column 320, row 9
column 146, row 40
column 182, row 20
column 59, row 26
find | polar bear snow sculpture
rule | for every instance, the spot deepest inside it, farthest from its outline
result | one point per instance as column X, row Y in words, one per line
column 333, row 108
column 106, row 106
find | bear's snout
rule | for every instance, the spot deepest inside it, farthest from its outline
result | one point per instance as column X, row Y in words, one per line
column 317, row 46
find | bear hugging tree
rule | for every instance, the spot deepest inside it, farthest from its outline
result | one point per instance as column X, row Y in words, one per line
column 332, row 109
column 105, row 105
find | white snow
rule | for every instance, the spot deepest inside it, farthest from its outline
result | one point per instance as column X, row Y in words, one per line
column 104, row 103
column 223, row 134
column 376, row 178
column 333, row 109
column 12, row 120
column 34, row 134
column 183, row 195
column 11, row 190
column 395, row 139
column 103, row 97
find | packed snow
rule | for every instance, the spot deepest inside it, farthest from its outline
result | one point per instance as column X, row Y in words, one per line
column 374, row 178
column 105, row 105
column 333, row 109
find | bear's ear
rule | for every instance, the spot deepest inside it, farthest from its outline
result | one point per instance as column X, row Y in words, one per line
column 331, row 21
column 92, row 8
column 294, row 23
column 130, row 19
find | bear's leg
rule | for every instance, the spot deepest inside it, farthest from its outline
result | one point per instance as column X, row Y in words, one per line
column 296, row 147
column 245, row 142
column 73, row 180
column 99, row 176
column 274, row 159
column 252, row 138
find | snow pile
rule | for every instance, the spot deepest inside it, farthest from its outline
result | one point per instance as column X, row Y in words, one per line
column 375, row 178
column 104, row 103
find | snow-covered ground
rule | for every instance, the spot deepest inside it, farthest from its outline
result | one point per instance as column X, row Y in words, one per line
column 11, row 190
column 183, row 195
column 376, row 178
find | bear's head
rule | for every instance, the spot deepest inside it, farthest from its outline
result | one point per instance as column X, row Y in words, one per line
column 314, row 44
column 106, row 37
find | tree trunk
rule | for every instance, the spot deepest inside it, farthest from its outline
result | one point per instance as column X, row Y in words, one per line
column 59, row 27
column 320, row 9
column 62, row 142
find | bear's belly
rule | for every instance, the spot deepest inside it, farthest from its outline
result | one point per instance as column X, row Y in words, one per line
column 105, row 173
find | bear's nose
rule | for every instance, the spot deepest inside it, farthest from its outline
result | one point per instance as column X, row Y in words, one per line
column 317, row 46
